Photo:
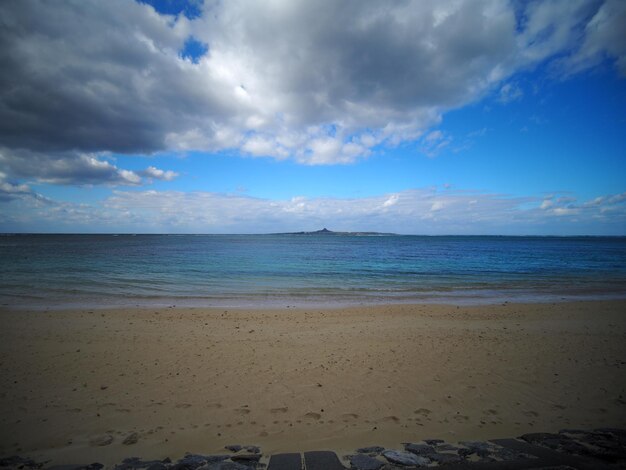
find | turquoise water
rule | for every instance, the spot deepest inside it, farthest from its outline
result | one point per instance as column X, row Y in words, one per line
column 300, row 270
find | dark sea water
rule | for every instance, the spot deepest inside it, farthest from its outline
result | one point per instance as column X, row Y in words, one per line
column 301, row 270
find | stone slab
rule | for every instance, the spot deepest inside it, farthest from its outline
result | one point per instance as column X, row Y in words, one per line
column 285, row 462
column 322, row 460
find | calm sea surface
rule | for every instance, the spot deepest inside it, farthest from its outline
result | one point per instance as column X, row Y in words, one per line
column 301, row 270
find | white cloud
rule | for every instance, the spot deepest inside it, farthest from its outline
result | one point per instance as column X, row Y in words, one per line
column 71, row 168
column 510, row 92
column 321, row 82
column 437, row 206
column 10, row 190
column 433, row 136
column 565, row 211
column 546, row 204
column 598, row 207
column 605, row 35
column 417, row 211
column 616, row 198
column 65, row 168
column 434, row 142
column 156, row 173
column 391, row 201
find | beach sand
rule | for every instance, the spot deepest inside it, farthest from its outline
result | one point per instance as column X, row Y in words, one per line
column 75, row 384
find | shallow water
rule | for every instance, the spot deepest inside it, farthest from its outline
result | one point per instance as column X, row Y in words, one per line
column 280, row 270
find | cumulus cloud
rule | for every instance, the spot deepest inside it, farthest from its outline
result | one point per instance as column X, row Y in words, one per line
column 605, row 35
column 321, row 82
column 65, row 168
column 10, row 190
column 601, row 206
column 158, row 174
column 71, row 168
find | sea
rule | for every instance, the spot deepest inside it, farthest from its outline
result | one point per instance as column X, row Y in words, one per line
column 301, row 270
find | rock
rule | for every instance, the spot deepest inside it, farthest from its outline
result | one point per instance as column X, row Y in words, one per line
column 465, row 452
column 434, row 442
column 571, row 447
column 600, row 439
column 224, row 465
column 363, row 462
column 370, row 450
column 133, row 463
column 476, row 445
column 100, row 441
column 571, row 431
column 158, row 466
column 443, row 459
column 539, row 437
column 504, row 454
column 405, row 458
column 16, row 461
column 131, row 439
column 246, row 457
column 444, row 447
column 617, row 432
column 558, row 442
column 216, row 458
column 233, row 447
column 194, row 461
column 480, row 448
column 419, row 449
column 91, row 466
column 253, row 449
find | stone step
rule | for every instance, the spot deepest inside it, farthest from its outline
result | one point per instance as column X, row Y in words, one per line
column 322, row 460
column 285, row 462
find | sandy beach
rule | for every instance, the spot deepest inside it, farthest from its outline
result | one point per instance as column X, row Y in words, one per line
column 76, row 384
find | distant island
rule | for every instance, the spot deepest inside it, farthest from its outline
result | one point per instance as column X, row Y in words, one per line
column 325, row 231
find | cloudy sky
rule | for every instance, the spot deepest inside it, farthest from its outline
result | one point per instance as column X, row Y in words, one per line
column 425, row 117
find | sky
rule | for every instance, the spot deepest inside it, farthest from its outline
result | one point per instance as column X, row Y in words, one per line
column 415, row 117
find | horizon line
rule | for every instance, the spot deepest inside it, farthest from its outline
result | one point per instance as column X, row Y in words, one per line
column 387, row 234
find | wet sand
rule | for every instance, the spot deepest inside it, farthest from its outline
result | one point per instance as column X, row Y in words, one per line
column 75, row 384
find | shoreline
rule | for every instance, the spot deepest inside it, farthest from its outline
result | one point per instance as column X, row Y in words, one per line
column 197, row 379
column 459, row 297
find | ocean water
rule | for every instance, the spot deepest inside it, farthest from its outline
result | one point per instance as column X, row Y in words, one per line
column 300, row 270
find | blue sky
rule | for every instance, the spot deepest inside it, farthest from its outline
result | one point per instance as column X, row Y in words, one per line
column 417, row 117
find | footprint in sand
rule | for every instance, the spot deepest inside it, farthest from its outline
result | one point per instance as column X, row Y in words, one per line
column 490, row 412
column 214, row 405
column 183, row 405
column 422, row 411
column 122, row 410
column 100, row 441
column 392, row 419
column 312, row 415
column 74, row 410
column 349, row 417
column 279, row 410
column 242, row 411
column 531, row 414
